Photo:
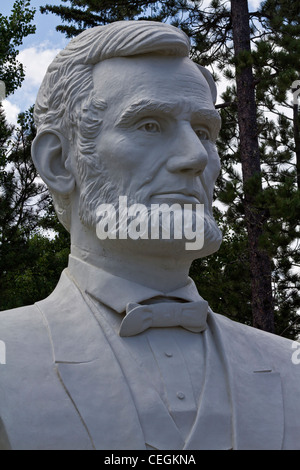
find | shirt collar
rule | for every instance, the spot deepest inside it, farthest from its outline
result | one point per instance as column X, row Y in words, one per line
column 116, row 292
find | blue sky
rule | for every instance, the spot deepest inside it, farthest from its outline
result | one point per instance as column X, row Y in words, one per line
column 37, row 52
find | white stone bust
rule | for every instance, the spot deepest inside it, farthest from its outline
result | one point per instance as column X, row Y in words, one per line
column 125, row 354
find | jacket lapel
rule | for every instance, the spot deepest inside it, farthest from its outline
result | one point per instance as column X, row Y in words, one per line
column 256, row 393
column 89, row 372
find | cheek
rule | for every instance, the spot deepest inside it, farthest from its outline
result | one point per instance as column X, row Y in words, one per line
column 213, row 166
column 126, row 161
column 211, row 171
column 117, row 153
column 131, row 153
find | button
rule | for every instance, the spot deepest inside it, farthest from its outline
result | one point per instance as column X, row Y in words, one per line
column 168, row 354
column 180, row 395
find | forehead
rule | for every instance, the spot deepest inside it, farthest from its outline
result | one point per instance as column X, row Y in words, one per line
column 121, row 81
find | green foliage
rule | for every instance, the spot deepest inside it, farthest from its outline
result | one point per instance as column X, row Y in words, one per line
column 223, row 278
column 86, row 14
column 32, row 269
column 30, row 260
column 13, row 30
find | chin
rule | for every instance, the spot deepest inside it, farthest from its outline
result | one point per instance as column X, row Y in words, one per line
column 168, row 248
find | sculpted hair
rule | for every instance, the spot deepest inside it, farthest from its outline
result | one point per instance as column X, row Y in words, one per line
column 65, row 101
column 70, row 74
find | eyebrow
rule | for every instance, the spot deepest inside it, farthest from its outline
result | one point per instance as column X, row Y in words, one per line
column 209, row 117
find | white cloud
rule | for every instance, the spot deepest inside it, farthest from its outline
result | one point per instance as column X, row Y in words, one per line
column 254, row 4
column 36, row 61
column 11, row 111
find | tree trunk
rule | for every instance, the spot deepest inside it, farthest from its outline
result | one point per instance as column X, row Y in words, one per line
column 296, row 137
column 260, row 263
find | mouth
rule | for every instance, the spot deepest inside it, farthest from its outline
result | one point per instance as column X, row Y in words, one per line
column 181, row 196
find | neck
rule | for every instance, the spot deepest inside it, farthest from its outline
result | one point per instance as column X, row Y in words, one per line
column 160, row 273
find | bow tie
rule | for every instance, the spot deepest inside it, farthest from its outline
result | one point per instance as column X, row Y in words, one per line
column 191, row 316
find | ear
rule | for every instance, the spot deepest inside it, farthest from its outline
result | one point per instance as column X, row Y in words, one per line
column 50, row 156
column 209, row 78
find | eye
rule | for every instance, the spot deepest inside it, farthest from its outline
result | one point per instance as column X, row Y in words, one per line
column 202, row 133
column 151, row 127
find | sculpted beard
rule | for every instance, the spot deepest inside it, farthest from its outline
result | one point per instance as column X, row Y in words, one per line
column 96, row 188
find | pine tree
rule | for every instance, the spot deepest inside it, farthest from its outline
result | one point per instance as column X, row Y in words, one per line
column 258, row 184
column 87, row 14
column 280, row 49
column 13, row 30
column 255, row 216
column 30, row 261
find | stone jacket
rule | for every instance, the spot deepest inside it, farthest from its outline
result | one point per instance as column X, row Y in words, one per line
column 63, row 387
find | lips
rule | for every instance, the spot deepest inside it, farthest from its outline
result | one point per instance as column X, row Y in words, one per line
column 182, row 196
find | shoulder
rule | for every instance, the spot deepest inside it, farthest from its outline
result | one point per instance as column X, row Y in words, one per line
column 20, row 323
column 24, row 338
column 27, row 358
column 282, row 353
column 251, row 332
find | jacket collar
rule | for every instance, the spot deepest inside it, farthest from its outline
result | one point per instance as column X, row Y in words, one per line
column 103, row 286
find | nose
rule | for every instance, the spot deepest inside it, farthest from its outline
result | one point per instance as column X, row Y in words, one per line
column 188, row 154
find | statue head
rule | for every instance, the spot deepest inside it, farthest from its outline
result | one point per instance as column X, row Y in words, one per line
column 123, row 111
